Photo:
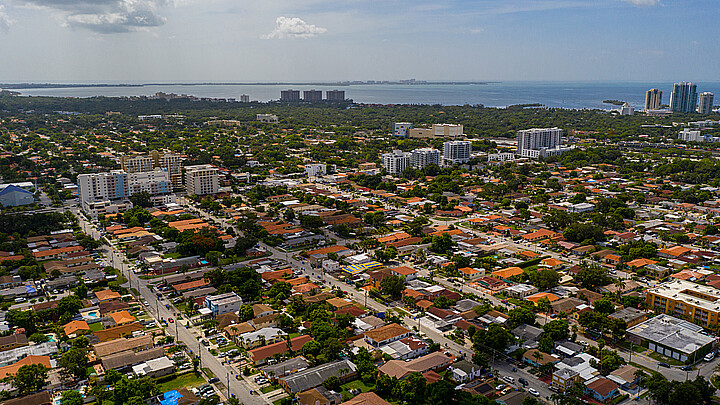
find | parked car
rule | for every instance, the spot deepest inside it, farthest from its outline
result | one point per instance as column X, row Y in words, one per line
column 686, row 368
column 522, row 381
column 534, row 392
column 663, row 364
column 509, row 379
column 213, row 380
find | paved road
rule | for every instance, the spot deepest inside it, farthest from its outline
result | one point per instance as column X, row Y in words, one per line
column 157, row 308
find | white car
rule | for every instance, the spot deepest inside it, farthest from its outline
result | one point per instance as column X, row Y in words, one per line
column 534, row 392
column 709, row 357
column 509, row 379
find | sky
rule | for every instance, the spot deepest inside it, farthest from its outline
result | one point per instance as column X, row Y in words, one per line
column 163, row 41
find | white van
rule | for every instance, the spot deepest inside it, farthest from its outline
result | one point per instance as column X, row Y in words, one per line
column 710, row 356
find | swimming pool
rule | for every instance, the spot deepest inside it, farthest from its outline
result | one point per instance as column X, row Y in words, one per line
column 51, row 337
column 92, row 314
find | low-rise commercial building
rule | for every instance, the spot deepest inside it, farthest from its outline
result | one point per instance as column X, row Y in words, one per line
column 672, row 337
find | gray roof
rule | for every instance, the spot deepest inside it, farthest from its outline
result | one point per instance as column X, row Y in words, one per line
column 42, row 349
column 466, row 305
column 527, row 332
column 286, row 367
column 315, row 376
column 672, row 332
column 466, row 366
column 128, row 358
column 628, row 314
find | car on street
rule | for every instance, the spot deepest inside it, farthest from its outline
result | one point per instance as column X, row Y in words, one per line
column 663, row 364
column 213, row 380
column 509, row 379
column 534, row 392
column 709, row 357
column 522, row 381
column 686, row 368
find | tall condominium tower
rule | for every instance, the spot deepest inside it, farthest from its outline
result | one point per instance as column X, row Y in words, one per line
column 312, row 95
column 653, row 99
column 335, row 95
column 683, row 97
column 705, row 103
column 456, row 152
column 290, row 95
column 425, row 156
column 396, row 161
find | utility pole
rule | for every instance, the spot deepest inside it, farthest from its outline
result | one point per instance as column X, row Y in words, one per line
column 228, row 385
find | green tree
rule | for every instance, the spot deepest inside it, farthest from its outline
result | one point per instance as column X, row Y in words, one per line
column 29, row 378
column 557, row 329
column 604, row 306
column 592, row 276
column 441, row 243
column 141, row 199
column 246, row 313
column 75, row 362
column 71, row 397
column 332, row 383
column 393, row 286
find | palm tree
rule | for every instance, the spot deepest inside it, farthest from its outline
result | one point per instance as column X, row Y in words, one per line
column 537, row 356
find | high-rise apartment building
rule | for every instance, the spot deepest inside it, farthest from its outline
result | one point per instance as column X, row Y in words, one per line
column 705, row 103
column 335, row 95
column 316, row 169
column 171, row 163
column 244, row 98
column 396, row 161
column 540, row 142
column 202, row 179
column 627, row 110
column 154, row 182
column 455, row 152
column 653, row 99
column 401, row 128
column 312, row 95
column 136, row 163
column 290, row 95
column 425, row 156
column 683, row 97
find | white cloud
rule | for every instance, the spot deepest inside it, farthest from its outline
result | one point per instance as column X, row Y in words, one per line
column 643, row 3
column 293, row 28
column 477, row 30
column 5, row 21
column 105, row 16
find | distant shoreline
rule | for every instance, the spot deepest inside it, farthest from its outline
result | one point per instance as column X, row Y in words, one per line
column 25, row 86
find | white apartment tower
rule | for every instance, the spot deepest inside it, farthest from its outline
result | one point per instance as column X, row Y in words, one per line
column 539, row 142
column 425, row 156
column 396, row 161
column 171, row 163
column 316, row 169
column 705, row 103
column 455, row 152
column 202, row 179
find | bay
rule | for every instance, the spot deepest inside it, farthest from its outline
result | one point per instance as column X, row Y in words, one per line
column 573, row 95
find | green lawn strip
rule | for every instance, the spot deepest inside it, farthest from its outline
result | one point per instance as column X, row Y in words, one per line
column 208, row 372
column 187, row 380
column 660, row 357
column 95, row 326
column 355, row 384
column 269, row 388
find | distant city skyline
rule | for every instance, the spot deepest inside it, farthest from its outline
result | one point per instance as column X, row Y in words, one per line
column 323, row 40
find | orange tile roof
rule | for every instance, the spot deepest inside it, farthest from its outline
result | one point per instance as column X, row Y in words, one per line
column 12, row 369
column 508, row 272
column 537, row 297
column 106, row 295
column 74, row 326
column 122, row 317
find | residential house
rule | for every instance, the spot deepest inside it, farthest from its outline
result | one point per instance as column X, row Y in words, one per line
column 400, row 369
column 602, row 389
column 386, row 334
column 314, row 377
column 564, row 378
column 464, row 371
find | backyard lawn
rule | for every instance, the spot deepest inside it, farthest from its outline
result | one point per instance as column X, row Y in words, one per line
column 188, row 380
column 95, row 326
column 356, row 384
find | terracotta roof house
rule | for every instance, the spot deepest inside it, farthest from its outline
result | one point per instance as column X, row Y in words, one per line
column 122, row 317
column 386, row 334
column 107, row 295
column 602, row 389
column 12, row 369
column 260, row 355
column 366, row 398
column 508, row 272
column 115, row 332
column 75, row 328
column 401, row 369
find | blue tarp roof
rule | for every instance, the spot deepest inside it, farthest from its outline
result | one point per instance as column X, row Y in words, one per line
column 171, row 398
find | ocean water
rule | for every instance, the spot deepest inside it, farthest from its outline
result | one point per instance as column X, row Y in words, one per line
column 494, row 94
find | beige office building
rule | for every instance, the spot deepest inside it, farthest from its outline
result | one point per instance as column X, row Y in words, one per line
column 653, row 99
column 136, row 164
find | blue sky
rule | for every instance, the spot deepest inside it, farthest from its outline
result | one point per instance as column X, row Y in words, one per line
column 313, row 40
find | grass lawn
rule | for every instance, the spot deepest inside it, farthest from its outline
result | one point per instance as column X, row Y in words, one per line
column 95, row 326
column 356, row 384
column 269, row 388
column 229, row 347
column 188, row 380
column 670, row 361
column 294, row 335
column 175, row 255
column 208, row 372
